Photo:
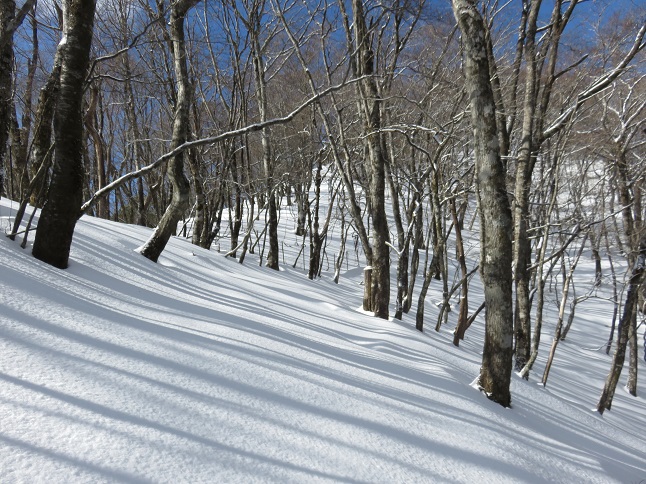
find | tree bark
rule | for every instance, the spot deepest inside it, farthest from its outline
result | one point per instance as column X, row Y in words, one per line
column 92, row 126
column 494, row 209
column 167, row 226
column 630, row 309
column 524, row 168
column 254, row 26
column 370, row 108
column 62, row 208
column 7, row 17
column 463, row 314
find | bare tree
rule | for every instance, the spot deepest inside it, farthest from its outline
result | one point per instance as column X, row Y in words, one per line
column 370, row 106
column 630, row 308
column 167, row 226
column 10, row 20
column 494, row 209
column 61, row 211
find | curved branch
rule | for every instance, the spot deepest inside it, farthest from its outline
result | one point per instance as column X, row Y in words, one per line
column 210, row 140
column 597, row 87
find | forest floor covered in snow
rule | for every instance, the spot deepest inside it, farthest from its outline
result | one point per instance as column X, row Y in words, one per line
column 200, row 369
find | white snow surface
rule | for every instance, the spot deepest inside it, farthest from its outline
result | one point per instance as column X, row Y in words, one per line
column 199, row 369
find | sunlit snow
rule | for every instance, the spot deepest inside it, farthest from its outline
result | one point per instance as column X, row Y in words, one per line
column 199, row 369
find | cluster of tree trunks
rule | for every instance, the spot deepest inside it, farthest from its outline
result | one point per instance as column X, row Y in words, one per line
column 375, row 110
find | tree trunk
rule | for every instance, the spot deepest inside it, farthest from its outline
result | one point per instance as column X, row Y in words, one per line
column 418, row 242
column 463, row 314
column 254, row 27
column 21, row 136
column 200, row 235
column 91, row 125
column 131, row 115
column 419, row 316
column 167, row 226
column 524, row 168
column 7, row 16
column 316, row 242
column 558, row 333
column 631, row 385
column 403, row 243
column 540, row 289
column 630, row 310
column 493, row 205
column 62, row 209
column 370, row 107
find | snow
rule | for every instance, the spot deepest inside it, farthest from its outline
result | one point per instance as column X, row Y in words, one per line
column 199, row 369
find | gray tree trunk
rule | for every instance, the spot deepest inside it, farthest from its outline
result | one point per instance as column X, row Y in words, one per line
column 630, row 309
column 494, row 209
column 524, row 167
column 153, row 248
column 62, row 208
column 370, row 108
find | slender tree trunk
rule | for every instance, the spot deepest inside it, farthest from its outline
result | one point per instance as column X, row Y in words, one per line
column 615, row 295
column 463, row 314
column 630, row 309
column 316, row 242
column 235, row 213
column 403, row 244
column 631, row 385
column 540, row 290
column 91, row 125
column 21, row 136
column 167, row 226
column 494, row 209
column 419, row 316
column 62, row 209
column 200, row 235
column 254, row 26
column 558, row 333
column 418, row 242
column 136, row 142
column 522, row 247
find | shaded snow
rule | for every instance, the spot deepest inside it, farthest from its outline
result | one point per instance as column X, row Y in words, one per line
column 199, row 369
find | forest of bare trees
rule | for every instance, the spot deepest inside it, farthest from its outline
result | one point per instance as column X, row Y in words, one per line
column 408, row 122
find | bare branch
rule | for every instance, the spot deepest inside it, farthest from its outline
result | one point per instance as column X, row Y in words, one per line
column 597, row 87
column 211, row 140
column 17, row 21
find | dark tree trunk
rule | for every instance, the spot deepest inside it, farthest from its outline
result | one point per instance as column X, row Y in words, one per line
column 7, row 16
column 316, row 241
column 62, row 208
column 493, row 205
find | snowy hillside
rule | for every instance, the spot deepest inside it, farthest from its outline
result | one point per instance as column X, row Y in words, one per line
column 199, row 369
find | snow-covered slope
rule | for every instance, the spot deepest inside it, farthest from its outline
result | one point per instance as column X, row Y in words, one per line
column 199, row 369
